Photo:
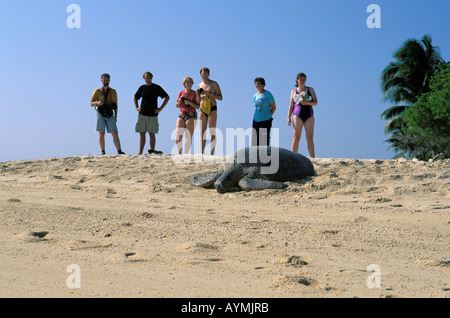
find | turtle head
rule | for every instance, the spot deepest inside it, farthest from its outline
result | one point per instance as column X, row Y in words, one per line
column 229, row 179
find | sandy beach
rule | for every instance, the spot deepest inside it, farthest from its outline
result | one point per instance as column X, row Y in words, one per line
column 135, row 227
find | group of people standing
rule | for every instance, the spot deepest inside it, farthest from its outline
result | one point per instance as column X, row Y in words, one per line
column 204, row 99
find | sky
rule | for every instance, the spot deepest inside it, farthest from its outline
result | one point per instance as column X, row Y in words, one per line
column 50, row 67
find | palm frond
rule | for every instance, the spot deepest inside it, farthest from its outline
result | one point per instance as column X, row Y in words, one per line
column 394, row 124
column 393, row 111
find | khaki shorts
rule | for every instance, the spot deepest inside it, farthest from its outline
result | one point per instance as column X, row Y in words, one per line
column 147, row 124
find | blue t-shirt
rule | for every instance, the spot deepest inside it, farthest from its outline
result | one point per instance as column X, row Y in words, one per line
column 262, row 106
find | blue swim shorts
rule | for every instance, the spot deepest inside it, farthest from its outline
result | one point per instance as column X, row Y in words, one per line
column 108, row 123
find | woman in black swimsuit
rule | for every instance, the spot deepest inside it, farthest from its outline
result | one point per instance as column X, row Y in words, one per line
column 301, row 102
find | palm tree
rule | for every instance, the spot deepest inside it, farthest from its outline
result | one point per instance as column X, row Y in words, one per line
column 403, row 80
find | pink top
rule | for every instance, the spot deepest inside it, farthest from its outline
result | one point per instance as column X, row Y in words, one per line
column 192, row 96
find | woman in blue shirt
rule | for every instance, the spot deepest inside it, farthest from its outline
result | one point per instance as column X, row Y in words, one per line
column 264, row 109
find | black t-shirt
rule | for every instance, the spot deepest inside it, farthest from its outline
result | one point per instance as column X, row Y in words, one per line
column 149, row 95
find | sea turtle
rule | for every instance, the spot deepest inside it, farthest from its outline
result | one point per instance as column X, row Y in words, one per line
column 258, row 168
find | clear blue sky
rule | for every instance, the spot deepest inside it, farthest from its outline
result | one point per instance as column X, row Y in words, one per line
column 48, row 71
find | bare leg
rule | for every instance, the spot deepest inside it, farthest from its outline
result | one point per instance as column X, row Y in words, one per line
column 203, row 123
column 141, row 142
column 309, row 129
column 180, row 129
column 298, row 126
column 101, row 140
column 190, row 125
column 152, row 141
column 116, row 140
column 212, row 118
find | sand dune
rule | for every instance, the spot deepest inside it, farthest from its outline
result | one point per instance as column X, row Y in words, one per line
column 137, row 228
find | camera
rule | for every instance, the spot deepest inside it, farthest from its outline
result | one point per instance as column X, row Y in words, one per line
column 200, row 90
column 183, row 99
column 106, row 110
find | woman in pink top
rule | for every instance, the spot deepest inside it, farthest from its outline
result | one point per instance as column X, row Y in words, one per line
column 187, row 102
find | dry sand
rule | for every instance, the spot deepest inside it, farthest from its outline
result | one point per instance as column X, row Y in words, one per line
column 135, row 227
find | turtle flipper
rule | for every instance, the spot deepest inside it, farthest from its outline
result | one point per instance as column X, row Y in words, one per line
column 207, row 181
column 249, row 184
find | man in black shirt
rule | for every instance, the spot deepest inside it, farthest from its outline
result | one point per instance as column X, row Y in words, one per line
column 148, row 111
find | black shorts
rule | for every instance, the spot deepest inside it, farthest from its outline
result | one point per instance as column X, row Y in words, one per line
column 261, row 132
column 213, row 108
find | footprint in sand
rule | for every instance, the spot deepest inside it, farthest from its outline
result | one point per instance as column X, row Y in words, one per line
column 79, row 245
column 202, row 248
column 292, row 260
column 111, row 193
column 294, row 281
column 197, row 261
column 443, row 262
column 298, row 281
column 439, row 207
column 31, row 236
column 199, row 247
column 132, row 257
